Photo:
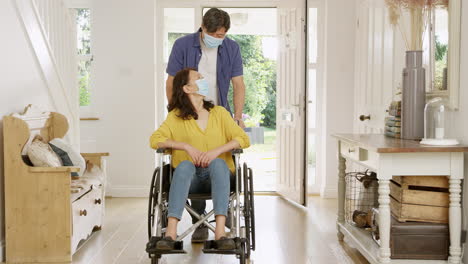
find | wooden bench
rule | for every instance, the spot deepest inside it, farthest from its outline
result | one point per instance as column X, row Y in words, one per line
column 44, row 221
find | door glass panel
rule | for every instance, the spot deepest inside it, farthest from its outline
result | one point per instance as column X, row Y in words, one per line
column 312, row 26
column 312, row 99
column 178, row 22
column 254, row 29
column 311, row 102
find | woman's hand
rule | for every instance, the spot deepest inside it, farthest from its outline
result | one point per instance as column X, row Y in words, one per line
column 207, row 157
column 194, row 153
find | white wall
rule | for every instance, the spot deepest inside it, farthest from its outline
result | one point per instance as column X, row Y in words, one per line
column 123, row 92
column 21, row 82
column 337, row 97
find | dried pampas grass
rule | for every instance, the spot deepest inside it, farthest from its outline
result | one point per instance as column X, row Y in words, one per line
column 420, row 14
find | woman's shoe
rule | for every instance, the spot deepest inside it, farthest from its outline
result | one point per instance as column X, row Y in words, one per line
column 225, row 243
column 167, row 243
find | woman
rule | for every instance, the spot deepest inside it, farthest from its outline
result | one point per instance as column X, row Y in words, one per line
column 201, row 136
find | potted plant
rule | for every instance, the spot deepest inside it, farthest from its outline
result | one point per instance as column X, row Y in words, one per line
column 253, row 128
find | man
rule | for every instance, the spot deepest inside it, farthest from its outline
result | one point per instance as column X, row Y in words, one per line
column 218, row 59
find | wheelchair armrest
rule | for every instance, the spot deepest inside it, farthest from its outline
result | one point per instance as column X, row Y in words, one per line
column 234, row 151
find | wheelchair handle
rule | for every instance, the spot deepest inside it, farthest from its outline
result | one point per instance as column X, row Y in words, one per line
column 161, row 150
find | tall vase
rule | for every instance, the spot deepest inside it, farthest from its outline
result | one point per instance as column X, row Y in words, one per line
column 414, row 96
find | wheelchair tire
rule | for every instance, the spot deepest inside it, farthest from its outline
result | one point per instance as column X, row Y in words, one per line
column 153, row 199
column 252, row 210
column 242, row 255
column 247, row 210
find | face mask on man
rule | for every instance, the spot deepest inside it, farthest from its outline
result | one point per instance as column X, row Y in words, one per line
column 212, row 42
column 203, row 87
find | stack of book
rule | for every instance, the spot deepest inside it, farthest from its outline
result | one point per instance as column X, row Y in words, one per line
column 393, row 121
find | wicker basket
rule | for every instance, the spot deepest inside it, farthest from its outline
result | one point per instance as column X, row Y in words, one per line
column 361, row 197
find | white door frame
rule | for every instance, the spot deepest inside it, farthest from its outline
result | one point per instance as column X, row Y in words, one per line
column 319, row 67
column 198, row 6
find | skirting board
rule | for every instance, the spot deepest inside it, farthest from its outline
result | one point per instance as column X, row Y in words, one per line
column 329, row 193
column 128, row 191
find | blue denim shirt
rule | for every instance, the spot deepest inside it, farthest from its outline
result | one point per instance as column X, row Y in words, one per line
column 187, row 52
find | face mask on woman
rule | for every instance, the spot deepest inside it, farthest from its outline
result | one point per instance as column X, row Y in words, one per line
column 211, row 42
column 203, row 87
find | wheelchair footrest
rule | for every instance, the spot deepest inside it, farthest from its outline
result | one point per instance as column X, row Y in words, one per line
column 210, row 248
column 151, row 247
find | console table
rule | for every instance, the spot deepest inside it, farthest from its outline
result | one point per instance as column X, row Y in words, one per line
column 394, row 157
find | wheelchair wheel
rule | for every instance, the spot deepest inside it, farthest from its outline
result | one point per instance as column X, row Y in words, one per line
column 247, row 211
column 155, row 214
column 252, row 210
column 153, row 201
column 242, row 255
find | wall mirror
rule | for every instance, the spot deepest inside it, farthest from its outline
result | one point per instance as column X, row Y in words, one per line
column 442, row 49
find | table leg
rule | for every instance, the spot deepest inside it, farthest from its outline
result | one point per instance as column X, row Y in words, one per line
column 341, row 192
column 384, row 220
column 455, row 221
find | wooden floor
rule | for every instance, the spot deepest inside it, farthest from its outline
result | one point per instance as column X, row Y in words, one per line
column 285, row 234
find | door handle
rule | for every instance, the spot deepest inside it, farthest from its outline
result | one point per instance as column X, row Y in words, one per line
column 364, row 117
column 309, row 102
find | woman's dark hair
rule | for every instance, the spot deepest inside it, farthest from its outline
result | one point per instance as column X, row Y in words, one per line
column 215, row 19
column 180, row 99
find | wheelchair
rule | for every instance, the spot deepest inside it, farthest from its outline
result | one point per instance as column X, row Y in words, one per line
column 241, row 211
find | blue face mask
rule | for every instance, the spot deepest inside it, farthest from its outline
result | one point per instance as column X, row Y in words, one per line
column 203, row 87
column 211, row 42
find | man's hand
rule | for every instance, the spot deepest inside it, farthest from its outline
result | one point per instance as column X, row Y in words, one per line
column 238, row 98
column 240, row 122
column 194, row 153
column 207, row 157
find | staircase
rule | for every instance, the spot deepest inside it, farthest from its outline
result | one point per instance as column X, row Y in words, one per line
column 50, row 28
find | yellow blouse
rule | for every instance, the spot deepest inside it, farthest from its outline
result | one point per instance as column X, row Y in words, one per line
column 221, row 129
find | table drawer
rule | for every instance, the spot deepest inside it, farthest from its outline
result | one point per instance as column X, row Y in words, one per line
column 349, row 150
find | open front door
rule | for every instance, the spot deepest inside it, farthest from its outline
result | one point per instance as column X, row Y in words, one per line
column 291, row 102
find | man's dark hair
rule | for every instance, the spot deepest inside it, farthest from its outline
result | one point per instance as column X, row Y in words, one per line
column 180, row 99
column 215, row 19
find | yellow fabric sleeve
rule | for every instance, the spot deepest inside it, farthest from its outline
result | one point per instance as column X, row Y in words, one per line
column 163, row 133
column 233, row 130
